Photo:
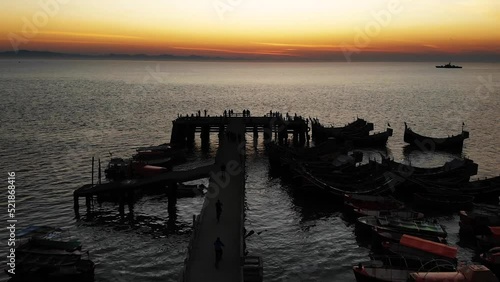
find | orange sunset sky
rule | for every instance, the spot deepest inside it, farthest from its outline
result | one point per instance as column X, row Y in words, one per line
column 252, row 28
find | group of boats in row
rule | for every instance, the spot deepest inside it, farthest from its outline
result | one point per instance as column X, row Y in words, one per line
column 325, row 168
column 357, row 134
column 407, row 247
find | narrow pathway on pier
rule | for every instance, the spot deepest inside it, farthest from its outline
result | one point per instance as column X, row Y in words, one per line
column 229, row 187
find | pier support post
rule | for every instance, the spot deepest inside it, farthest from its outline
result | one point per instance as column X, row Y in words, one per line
column 130, row 202
column 267, row 133
column 121, row 207
column 92, row 172
column 302, row 138
column 190, row 132
column 178, row 136
column 255, row 132
column 88, row 203
column 221, row 130
column 76, row 206
column 172, row 198
column 205, row 136
column 295, row 138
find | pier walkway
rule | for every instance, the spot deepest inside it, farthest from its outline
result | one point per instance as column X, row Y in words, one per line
column 229, row 188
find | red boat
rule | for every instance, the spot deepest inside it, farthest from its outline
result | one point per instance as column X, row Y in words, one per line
column 468, row 273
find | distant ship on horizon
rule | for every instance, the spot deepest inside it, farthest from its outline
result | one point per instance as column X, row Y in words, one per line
column 448, row 66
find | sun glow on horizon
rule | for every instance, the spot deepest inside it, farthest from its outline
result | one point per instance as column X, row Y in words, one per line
column 290, row 28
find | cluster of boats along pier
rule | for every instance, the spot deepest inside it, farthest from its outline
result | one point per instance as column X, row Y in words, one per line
column 388, row 201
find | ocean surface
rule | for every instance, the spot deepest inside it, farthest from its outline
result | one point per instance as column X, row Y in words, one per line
column 56, row 114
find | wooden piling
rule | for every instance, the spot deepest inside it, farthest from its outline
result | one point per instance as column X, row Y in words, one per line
column 99, row 173
column 130, row 201
column 76, row 205
column 121, row 207
column 92, row 171
column 205, row 135
column 88, row 203
column 172, row 198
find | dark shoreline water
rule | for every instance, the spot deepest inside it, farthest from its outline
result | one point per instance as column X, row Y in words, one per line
column 56, row 115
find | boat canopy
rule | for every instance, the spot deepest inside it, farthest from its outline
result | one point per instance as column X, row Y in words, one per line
column 428, row 246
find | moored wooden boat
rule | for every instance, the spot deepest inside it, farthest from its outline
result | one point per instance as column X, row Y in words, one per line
column 393, row 235
column 466, row 273
column 359, row 127
column 452, row 143
column 375, row 140
column 358, row 212
column 425, row 249
column 371, row 202
column 377, row 271
column 413, row 227
column 462, row 168
column 447, row 202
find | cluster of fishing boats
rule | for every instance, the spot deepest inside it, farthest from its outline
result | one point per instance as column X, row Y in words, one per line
column 335, row 166
column 405, row 245
column 47, row 254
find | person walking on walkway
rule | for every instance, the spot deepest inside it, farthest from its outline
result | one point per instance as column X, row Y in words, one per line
column 223, row 171
column 218, row 251
column 218, row 209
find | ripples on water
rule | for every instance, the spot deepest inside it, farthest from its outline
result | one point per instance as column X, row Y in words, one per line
column 56, row 115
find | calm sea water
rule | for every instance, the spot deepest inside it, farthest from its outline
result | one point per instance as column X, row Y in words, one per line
column 56, row 115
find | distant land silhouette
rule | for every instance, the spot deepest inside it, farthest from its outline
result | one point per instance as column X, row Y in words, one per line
column 364, row 56
column 26, row 54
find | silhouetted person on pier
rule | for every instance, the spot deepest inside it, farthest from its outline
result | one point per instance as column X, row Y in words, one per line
column 218, row 209
column 205, row 112
column 223, row 170
column 199, row 113
column 218, row 251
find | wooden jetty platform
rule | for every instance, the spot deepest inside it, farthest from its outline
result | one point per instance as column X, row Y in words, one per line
column 123, row 190
column 229, row 187
column 184, row 128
